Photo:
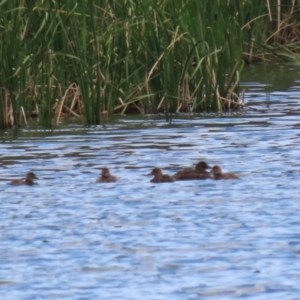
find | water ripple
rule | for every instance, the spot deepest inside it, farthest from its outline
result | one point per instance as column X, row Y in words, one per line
column 69, row 238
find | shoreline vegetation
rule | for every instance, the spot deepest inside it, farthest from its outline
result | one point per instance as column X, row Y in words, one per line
column 90, row 59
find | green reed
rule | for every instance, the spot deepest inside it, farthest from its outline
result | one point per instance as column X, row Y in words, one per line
column 272, row 31
column 89, row 58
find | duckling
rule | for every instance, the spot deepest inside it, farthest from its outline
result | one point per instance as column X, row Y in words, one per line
column 217, row 174
column 190, row 174
column 160, row 177
column 106, row 177
column 30, row 176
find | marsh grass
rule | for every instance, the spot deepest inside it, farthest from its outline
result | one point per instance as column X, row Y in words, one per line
column 88, row 59
column 272, row 31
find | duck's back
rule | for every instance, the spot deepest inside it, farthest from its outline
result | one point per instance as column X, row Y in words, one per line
column 191, row 174
column 162, row 178
column 155, row 180
column 21, row 182
column 17, row 182
column 167, row 178
column 204, row 175
column 229, row 176
column 110, row 178
column 185, row 174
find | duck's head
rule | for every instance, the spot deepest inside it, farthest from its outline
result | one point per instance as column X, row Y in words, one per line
column 216, row 170
column 202, row 165
column 156, row 172
column 105, row 172
column 30, row 176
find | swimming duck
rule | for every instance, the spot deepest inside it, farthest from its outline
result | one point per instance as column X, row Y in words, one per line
column 217, row 174
column 106, row 177
column 198, row 173
column 27, row 181
column 159, row 176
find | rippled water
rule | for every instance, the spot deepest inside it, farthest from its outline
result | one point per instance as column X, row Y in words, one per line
column 69, row 238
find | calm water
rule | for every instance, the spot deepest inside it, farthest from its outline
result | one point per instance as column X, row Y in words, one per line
column 69, row 238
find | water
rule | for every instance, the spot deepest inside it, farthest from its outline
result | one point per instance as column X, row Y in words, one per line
column 69, row 238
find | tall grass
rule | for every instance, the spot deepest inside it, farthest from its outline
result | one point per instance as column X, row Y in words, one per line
column 88, row 58
column 272, row 30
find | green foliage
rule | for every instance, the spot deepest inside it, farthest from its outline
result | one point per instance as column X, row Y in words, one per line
column 272, row 30
column 91, row 58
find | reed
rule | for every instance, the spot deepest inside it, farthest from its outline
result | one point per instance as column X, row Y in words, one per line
column 273, row 31
column 88, row 59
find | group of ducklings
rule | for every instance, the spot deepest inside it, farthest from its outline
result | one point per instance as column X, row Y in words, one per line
column 198, row 173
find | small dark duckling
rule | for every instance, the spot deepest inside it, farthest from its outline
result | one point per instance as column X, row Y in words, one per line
column 160, row 177
column 30, row 176
column 106, row 177
column 217, row 174
column 190, row 174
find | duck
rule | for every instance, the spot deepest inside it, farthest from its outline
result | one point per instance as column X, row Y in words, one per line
column 160, row 177
column 29, row 180
column 106, row 176
column 217, row 174
column 198, row 173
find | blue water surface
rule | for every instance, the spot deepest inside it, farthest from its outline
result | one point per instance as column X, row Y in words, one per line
column 70, row 238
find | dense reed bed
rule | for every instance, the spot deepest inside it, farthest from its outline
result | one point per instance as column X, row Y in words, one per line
column 89, row 58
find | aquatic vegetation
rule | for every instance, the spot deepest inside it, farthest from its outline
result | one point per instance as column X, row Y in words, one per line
column 89, row 59
column 272, row 31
